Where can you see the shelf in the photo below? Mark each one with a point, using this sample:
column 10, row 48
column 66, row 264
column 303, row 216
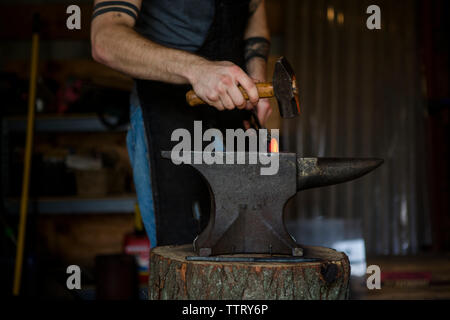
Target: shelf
column 63, row 205
column 76, row 205
column 60, row 123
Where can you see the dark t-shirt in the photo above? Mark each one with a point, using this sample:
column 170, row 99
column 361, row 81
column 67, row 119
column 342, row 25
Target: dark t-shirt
column 180, row 24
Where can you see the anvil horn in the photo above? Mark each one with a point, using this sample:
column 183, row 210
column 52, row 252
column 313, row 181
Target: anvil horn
column 319, row 172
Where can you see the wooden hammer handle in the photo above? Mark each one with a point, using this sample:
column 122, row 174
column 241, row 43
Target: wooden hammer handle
column 265, row 90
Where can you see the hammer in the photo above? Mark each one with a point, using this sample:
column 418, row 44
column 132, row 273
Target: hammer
column 283, row 87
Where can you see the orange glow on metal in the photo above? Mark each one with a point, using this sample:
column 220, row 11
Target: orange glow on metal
column 274, row 145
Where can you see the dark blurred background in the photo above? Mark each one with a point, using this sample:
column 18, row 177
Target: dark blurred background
column 364, row 93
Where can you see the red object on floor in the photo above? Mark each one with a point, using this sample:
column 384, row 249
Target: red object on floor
column 405, row 276
column 406, row 279
column 139, row 246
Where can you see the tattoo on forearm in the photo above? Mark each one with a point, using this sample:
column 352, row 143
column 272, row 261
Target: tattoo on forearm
column 254, row 4
column 256, row 47
column 115, row 6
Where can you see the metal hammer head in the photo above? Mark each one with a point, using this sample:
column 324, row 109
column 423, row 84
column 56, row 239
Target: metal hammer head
column 285, row 89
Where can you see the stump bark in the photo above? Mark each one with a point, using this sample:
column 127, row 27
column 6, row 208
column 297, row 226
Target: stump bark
column 172, row 277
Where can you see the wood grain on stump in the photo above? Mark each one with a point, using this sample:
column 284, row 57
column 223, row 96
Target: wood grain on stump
column 172, row 277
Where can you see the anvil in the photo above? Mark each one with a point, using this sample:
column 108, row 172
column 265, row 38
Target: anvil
column 247, row 207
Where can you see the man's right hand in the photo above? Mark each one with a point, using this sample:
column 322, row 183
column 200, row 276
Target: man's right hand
column 216, row 83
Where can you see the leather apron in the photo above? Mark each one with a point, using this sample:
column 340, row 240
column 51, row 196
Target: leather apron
column 164, row 108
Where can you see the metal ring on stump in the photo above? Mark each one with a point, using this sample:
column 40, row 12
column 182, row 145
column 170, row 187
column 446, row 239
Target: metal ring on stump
column 172, row 277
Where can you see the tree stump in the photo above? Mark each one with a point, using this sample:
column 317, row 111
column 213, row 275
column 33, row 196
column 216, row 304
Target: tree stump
column 172, row 277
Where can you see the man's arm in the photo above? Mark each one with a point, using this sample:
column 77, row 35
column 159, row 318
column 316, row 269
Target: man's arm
column 116, row 44
column 257, row 51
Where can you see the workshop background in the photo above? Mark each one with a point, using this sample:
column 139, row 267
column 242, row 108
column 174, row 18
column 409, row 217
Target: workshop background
column 363, row 93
